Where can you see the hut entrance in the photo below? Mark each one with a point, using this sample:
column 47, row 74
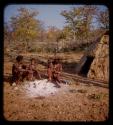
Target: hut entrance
column 85, row 68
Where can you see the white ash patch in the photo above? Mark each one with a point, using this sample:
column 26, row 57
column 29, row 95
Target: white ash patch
column 42, row 88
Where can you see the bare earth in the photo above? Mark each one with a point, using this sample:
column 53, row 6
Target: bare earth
column 67, row 105
column 76, row 103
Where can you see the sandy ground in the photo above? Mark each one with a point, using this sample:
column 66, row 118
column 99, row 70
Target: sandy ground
column 78, row 102
column 72, row 104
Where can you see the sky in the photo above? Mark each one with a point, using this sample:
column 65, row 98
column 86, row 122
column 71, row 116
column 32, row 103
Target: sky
column 49, row 14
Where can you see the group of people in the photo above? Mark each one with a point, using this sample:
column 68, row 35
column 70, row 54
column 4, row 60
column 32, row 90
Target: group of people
column 21, row 71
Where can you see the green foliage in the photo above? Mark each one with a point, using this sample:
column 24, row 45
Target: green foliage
column 25, row 27
column 28, row 33
column 79, row 21
column 103, row 18
column 65, row 49
column 35, row 50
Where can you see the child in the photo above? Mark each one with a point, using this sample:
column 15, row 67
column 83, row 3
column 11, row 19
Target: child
column 49, row 69
column 32, row 71
column 17, row 70
column 57, row 69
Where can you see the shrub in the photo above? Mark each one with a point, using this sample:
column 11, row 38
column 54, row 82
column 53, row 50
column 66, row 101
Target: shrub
column 35, row 50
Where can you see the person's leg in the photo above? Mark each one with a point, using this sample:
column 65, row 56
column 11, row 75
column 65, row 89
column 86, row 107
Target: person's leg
column 24, row 75
column 58, row 78
column 17, row 81
column 30, row 76
column 49, row 75
column 55, row 81
column 36, row 75
column 14, row 79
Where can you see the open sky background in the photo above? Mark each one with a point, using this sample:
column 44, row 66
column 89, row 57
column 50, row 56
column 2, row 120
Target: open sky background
column 49, row 14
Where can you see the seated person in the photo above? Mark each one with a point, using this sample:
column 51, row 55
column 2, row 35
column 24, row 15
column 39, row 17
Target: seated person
column 57, row 69
column 18, row 70
column 32, row 72
column 49, row 69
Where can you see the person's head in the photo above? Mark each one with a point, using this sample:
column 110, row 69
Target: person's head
column 19, row 59
column 33, row 61
column 56, row 60
column 50, row 61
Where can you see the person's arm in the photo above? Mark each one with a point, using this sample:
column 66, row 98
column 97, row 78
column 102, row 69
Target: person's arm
column 49, row 74
column 29, row 69
column 36, row 69
column 14, row 69
column 39, row 75
column 54, row 69
column 21, row 69
column 60, row 67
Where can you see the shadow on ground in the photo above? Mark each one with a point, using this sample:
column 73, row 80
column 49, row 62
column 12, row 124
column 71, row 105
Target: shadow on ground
column 69, row 67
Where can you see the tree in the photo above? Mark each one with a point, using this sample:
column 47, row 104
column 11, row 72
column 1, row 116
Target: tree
column 103, row 19
column 79, row 20
column 25, row 26
column 60, row 36
column 7, row 36
column 52, row 33
column 6, row 31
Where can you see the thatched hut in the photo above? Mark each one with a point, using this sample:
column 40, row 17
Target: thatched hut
column 95, row 62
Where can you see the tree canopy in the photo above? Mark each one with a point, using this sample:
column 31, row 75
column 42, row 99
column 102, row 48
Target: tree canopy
column 79, row 29
column 25, row 26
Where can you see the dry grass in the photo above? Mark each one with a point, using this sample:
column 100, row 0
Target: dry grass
column 74, row 104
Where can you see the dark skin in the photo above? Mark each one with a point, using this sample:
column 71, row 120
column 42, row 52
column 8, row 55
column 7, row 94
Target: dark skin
column 32, row 72
column 17, row 71
column 57, row 69
column 49, row 70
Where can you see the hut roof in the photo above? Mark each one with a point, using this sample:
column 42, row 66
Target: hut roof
column 90, row 52
column 92, row 48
